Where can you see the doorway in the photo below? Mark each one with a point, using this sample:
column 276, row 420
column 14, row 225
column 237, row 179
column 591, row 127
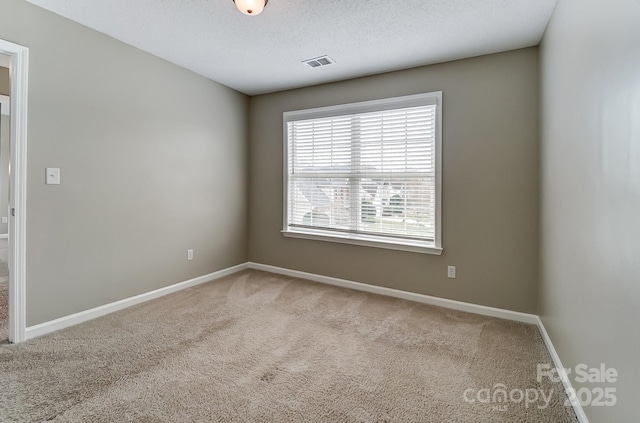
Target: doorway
column 5, row 122
column 17, row 58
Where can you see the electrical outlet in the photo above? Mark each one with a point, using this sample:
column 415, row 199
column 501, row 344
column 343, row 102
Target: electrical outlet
column 189, row 254
column 451, row 272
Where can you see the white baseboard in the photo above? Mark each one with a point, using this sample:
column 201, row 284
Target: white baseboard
column 577, row 407
column 411, row 296
column 74, row 319
column 83, row 316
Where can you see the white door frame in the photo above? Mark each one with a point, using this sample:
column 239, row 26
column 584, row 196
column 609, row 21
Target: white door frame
column 19, row 72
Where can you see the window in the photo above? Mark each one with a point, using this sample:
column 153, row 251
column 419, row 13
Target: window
column 366, row 173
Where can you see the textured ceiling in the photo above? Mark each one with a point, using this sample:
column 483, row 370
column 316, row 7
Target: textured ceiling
column 263, row 53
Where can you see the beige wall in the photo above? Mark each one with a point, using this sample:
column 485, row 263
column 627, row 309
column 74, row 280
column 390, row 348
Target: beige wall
column 490, row 196
column 5, row 88
column 152, row 158
column 590, row 273
column 5, row 125
column 5, row 122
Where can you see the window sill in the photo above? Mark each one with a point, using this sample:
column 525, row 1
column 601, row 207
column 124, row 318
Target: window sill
column 415, row 247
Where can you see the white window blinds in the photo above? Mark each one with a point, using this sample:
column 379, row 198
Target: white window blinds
column 370, row 174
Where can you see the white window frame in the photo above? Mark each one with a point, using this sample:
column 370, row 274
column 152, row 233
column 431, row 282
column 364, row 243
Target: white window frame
column 427, row 247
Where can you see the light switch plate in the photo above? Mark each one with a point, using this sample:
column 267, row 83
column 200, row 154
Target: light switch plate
column 5, row 219
column 53, row 176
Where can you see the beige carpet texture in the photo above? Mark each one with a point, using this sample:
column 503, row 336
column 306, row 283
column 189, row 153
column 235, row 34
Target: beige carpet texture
column 4, row 291
column 4, row 312
column 259, row 347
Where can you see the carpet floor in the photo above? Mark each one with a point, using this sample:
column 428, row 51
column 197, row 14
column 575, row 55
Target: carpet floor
column 258, row 347
column 4, row 290
column 4, row 311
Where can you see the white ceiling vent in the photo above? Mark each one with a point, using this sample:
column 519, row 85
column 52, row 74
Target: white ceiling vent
column 319, row 61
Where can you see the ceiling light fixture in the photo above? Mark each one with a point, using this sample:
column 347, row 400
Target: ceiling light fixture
column 250, row 7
